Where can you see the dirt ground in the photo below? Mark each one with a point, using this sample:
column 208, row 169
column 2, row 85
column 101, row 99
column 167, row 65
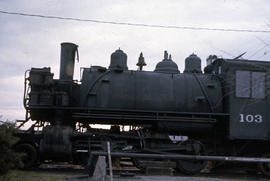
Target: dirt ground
column 71, row 175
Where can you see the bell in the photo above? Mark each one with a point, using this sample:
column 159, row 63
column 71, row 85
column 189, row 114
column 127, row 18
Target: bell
column 141, row 61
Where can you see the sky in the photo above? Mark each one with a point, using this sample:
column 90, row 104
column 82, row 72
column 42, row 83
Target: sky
column 27, row 42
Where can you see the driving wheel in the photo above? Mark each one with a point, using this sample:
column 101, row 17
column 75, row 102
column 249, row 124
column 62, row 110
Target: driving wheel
column 191, row 167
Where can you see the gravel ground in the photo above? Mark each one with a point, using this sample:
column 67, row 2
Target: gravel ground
column 203, row 177
column 182, row 178
column 78, row 174
column 168, row 178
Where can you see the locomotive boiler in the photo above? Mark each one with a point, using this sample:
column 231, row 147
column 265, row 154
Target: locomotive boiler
column 221, row 111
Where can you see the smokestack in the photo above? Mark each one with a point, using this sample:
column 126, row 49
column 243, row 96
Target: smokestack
column 68, row 51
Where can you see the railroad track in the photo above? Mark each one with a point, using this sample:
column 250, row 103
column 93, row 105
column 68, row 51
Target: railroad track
column 126, row 173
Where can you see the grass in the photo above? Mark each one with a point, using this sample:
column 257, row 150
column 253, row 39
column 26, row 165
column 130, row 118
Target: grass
column 18, row 175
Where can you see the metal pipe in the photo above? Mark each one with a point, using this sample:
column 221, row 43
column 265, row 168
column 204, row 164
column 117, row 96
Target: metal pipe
column 186, row 157
column 110, row 160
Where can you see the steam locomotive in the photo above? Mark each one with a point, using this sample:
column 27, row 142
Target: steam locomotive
column 221, row 112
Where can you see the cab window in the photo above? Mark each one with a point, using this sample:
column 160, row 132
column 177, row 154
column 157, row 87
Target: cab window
column 258, row 85
column 250, row 84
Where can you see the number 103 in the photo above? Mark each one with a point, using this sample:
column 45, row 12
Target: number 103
column 249, row 118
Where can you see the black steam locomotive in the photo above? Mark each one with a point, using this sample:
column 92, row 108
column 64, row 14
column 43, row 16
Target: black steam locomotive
column 221, row 112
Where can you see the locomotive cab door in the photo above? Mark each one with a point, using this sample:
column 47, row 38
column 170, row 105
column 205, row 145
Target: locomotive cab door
column 248, row 103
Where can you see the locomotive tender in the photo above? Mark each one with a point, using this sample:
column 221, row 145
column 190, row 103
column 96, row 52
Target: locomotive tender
column 223, row 111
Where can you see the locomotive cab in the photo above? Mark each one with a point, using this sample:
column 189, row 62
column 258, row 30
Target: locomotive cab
column 245, row 97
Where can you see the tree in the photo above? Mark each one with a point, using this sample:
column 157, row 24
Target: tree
column 9, row 159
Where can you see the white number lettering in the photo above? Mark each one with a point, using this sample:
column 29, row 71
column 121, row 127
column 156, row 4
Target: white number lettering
column 258, row 118
column 251, row 118
column 242, row 118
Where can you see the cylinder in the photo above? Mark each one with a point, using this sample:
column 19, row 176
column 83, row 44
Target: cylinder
column 67, row 59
